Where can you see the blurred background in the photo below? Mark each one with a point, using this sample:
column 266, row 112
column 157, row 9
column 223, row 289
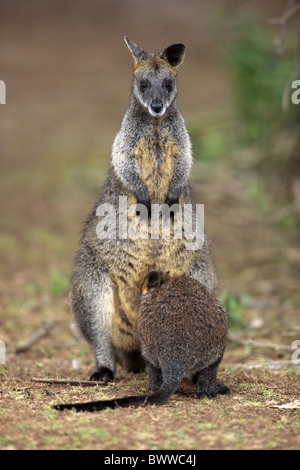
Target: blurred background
column 68, row 74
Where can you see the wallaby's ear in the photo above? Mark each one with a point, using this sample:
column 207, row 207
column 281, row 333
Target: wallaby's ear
column 138, row 54
column 174, row 54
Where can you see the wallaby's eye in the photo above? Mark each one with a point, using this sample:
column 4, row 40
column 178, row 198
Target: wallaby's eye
column 143, row 85
column 169, row 85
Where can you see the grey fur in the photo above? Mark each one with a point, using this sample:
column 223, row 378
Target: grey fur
column 150, row 163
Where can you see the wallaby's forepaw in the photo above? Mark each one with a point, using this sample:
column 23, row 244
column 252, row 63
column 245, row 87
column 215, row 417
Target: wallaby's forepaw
column 147, row 204
column 170, row 201
column 104, row 375
column 173, row 201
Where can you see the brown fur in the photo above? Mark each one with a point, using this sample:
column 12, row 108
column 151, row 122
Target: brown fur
column 182, row 331
column 181, row 319
column 155, row 155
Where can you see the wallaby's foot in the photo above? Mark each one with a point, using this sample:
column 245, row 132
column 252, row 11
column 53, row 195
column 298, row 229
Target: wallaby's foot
column 222, row 389
column 211, row 392
column 206, row 383
column 104, row 375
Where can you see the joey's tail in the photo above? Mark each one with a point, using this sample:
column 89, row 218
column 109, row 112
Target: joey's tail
column 157, row 398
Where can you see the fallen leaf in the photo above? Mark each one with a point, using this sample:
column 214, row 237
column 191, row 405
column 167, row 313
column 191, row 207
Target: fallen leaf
column 288, row 406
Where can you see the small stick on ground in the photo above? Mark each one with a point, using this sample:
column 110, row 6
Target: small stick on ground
column 83, row 383
column 275, row 365
column 34, row 338
column 271, row 365
column 258, row 344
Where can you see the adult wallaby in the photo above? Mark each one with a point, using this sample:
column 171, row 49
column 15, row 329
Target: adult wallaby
column 150, row 164
column 182, row 331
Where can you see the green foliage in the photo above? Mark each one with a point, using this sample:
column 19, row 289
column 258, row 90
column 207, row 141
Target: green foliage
column 259, row 77
column 58, row 283
column 208, row 145
column 259, row 195
column 234, row 311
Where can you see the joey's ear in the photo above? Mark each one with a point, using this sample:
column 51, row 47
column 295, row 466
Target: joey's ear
column 138, row 54
column 174, row 54
column 153, row 279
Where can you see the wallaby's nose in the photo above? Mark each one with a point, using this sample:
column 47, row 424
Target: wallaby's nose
column 157, row 106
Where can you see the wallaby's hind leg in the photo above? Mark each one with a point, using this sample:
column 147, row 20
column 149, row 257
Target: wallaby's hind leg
column 92, row 303
column 206, row 382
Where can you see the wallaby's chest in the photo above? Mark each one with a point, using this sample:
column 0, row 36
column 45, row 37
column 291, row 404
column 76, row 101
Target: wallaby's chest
column 155, row 154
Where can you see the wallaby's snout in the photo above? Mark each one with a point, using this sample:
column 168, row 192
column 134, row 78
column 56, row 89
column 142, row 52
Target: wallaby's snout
column 155, row 86
column 157, row 106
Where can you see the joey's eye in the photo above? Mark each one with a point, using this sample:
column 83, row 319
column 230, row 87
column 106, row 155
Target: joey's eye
column 143, row 85
column 169, row 85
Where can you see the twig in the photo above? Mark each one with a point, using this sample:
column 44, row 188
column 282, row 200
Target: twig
column 258, row 344
column 271, row 365
column 268, row 365
column 287, row 15
column 34, row 338
column 83, row 383
column 285, row 212
column 292, row 9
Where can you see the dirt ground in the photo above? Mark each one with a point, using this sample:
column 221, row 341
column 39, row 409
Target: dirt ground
column 67, row 74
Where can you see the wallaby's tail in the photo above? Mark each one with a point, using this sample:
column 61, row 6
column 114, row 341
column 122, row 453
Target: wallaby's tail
column 157, row 398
